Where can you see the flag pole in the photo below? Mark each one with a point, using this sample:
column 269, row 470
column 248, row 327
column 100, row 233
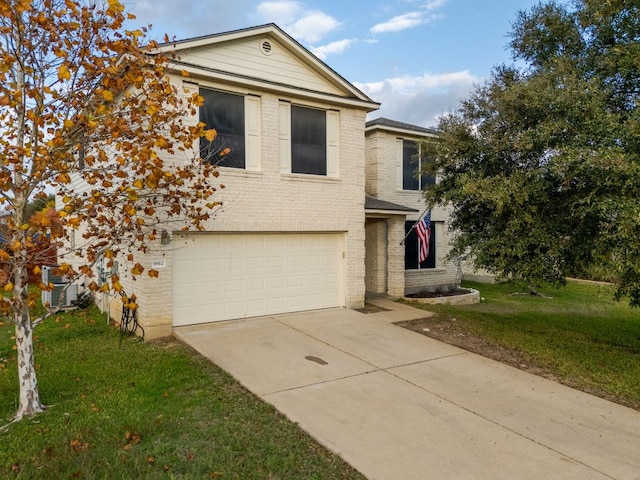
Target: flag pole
column 414, row 225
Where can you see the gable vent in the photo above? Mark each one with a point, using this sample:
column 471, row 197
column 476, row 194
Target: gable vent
column 266, row 47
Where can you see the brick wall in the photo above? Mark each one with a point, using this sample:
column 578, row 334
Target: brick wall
column 376, row 246
column 382, row 182
column 395, row 257
column 270, row 201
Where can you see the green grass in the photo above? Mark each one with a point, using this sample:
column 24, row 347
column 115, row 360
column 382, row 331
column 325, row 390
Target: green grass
column 145, row 410
column 580, row 335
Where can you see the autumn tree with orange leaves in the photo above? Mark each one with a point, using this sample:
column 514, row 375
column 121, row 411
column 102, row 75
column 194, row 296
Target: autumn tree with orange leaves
column 84, row 102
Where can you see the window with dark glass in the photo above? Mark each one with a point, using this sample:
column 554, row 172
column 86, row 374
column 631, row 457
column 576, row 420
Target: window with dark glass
column 308, row 140
column 225, row 113
column 412, row 249
column 412, row 163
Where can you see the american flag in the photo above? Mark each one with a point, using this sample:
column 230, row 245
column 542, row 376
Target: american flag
column 423, row 229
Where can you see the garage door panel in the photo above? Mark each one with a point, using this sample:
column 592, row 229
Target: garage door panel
column 295, row 303
column 276, row 241
column 232, row 310
column 256, row 284
column 234, row 286
column 237, row 265
column 315, row 299
column 227, row 276
column 295, row 241
column 276, row 304
column 295, row 263
column 276, row 283
column 255, row 242
column 192, row 265
column 209, row 264
column 295, row 281
column 315, row 260
column 255, row 305
column 275, row 262
column 257, row 263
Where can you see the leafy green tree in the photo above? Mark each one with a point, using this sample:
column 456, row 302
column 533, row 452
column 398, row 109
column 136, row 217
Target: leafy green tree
column 541, row 163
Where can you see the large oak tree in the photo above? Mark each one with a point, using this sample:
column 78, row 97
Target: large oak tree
column 542, row 162
column 87, row 110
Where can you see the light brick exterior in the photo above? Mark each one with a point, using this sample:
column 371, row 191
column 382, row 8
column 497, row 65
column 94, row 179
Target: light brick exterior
column 270, row 200
column 382, row 181
column 376, row 255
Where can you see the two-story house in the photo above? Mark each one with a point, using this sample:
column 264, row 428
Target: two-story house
column 295, row 224
column 290, row 233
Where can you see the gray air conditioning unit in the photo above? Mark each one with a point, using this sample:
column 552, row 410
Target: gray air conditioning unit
column 59, row 297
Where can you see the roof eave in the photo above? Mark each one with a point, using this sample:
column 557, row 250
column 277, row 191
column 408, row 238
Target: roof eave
column 375, row 211
column 401, row 131
column 293, row 45
column 196, row 72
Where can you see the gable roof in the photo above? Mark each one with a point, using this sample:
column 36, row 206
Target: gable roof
column 398, row 127
column 189, row 57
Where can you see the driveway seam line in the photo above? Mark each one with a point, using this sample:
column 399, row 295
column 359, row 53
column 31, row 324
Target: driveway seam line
column 376, row 369
column 462, row 352
column 327, row 343
column 322, row 382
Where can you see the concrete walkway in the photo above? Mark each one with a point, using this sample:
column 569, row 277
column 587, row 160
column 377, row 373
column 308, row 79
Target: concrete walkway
column 399, row 405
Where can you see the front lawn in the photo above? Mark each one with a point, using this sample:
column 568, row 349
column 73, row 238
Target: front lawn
column 145, row 410
column 580, row 336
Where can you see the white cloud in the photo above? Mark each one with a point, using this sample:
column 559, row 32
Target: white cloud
column 401, row 22
column 335, row 47
column 312, row 27
column 303, row 24
column 419, row 100
column 280, row 12
column 435, row 4
column 410, row 19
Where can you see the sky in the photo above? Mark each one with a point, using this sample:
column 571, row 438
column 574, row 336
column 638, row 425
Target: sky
column 418, row 58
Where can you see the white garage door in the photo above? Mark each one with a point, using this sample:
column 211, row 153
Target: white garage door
column 226, row 276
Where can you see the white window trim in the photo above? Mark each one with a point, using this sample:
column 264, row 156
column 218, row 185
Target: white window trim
column 253, row 159
column 284, row 136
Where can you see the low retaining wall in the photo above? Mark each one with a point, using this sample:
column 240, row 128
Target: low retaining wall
column 470, row 298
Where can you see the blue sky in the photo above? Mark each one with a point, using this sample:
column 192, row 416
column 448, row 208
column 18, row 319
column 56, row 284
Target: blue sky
column 417, row 57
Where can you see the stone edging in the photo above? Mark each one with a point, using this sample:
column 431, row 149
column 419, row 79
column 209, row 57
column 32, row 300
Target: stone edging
column 470, row 298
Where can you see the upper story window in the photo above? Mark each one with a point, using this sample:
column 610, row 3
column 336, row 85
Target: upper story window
column 224, row 112
column 236, row 119
column 308, row 140
column 412, row 163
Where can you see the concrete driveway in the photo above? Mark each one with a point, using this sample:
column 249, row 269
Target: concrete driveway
column 398, row 405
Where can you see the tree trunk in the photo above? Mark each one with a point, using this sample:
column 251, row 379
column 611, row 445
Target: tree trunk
column 29, row 396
